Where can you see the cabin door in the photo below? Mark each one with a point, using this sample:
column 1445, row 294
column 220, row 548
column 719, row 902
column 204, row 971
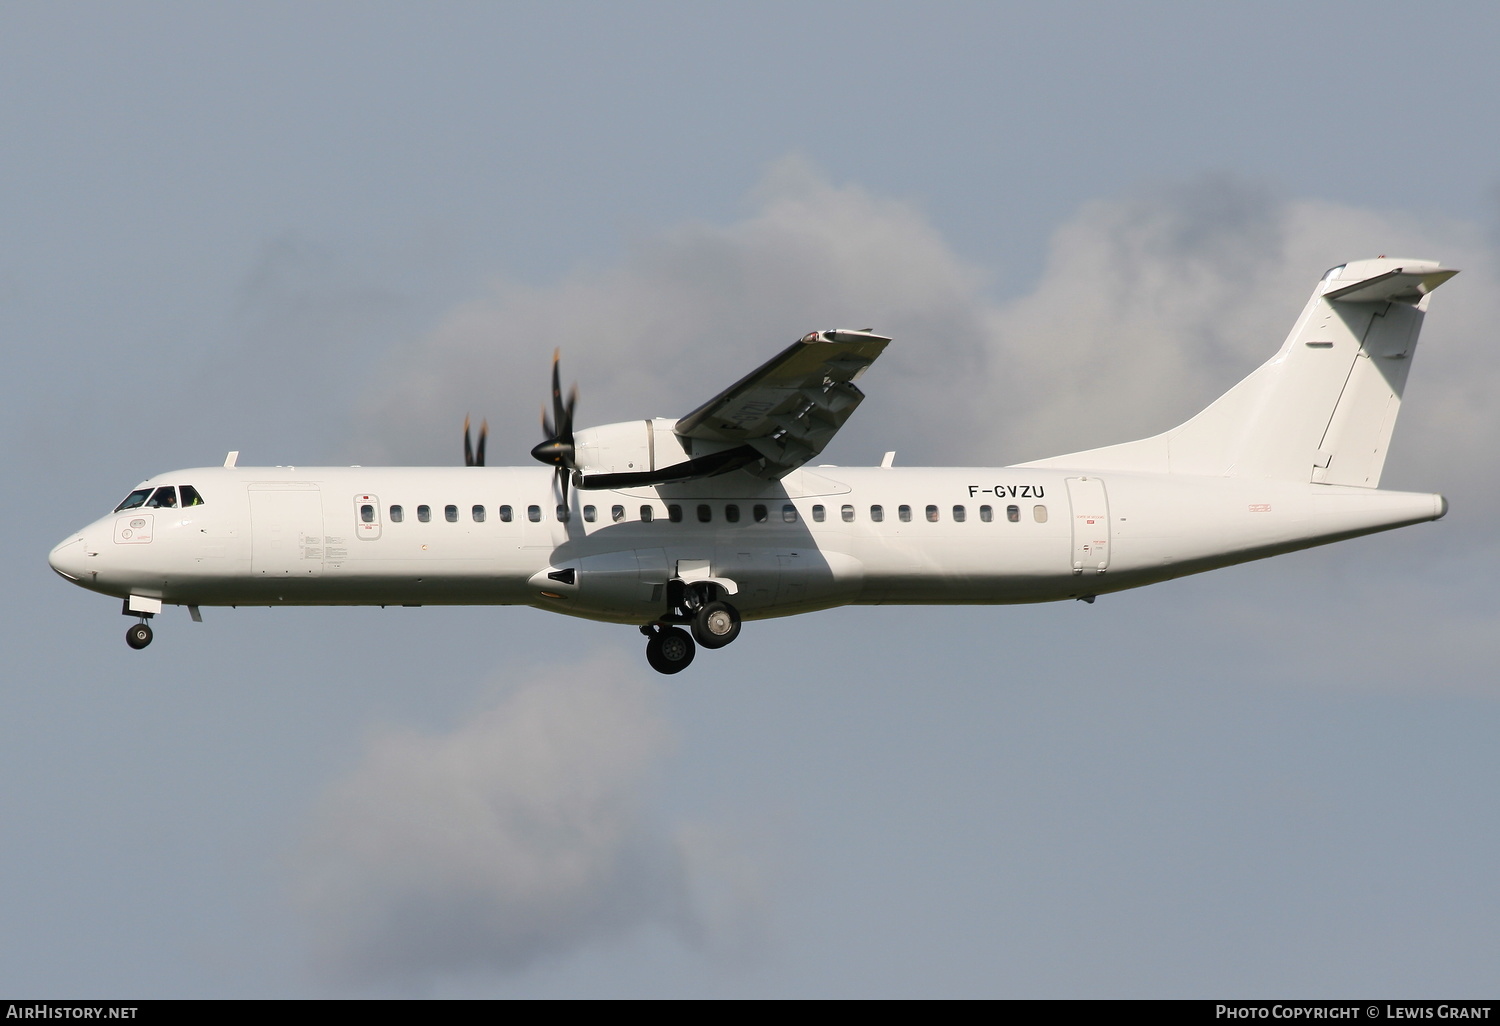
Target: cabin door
column 1090, row 524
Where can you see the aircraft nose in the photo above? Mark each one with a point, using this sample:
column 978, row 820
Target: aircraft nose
column 68, row 558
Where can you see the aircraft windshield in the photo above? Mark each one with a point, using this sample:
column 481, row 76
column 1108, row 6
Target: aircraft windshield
column 164, row 497
column 134, row 499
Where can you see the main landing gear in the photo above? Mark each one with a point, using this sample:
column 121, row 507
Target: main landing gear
column 714, row 623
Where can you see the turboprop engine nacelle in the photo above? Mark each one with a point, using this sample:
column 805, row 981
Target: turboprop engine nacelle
column 630, row 447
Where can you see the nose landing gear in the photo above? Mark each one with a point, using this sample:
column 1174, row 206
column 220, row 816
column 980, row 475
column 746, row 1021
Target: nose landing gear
column 138, row 635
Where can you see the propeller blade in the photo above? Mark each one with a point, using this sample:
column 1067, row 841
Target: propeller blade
column 484, row 434
column 556, row 449
column 566, row 432
column 468, row 452
column 560, row 416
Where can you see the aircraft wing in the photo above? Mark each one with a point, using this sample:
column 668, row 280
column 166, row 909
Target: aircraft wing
column 786, row 411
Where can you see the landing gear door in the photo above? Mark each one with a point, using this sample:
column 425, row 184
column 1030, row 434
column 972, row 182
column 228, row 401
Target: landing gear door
column 1090, row 524
column 654, row 572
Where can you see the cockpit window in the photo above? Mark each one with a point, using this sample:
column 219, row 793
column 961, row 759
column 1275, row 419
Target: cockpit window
column 164, row 497
column 190, row 496
column 134, row 499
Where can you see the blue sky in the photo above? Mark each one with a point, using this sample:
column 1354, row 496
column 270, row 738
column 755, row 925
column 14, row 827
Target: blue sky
column 325, row 232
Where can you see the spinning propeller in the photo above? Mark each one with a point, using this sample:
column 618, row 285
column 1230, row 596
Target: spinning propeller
column 474, row 456
column 557, row 450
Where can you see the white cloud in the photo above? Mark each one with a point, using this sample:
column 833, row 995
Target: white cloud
column 689, row 311
column 524, row 833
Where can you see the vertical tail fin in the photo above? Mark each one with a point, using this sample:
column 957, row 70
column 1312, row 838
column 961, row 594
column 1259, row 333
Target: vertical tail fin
column 1321, row 409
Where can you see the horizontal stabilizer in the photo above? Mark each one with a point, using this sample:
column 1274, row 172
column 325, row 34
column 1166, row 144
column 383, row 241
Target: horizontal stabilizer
column 1400, row 285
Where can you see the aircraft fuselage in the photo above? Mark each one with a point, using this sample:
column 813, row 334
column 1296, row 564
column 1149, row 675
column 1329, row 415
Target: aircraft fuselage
column 821, row 537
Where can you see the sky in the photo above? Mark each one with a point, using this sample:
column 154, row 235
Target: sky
column 323, row 233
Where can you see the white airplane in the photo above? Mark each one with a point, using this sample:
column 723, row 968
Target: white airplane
column 714, row 518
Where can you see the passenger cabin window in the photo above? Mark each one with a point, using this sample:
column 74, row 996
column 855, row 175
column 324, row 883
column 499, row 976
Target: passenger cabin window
column 789, row 513
column 705, row 513
column 847, row 513
column 877, row 513
column 477, row 512
column 164, row 497
column 397, row 514
column 960, row 514
column 367, row 513
column 590, row 514
column 190, row 496
column 761, row 514
column 505, row 514
column 617, row 513
column 986, row 513
column 904, row 513
column 424, row 513
column 674, row 514
column 732, row 513
column 134, row 499
column 932, row 514
column 647, row 514
column 1040, row 513
column 563, row 514
column 818, row 513
column 450, row 514
column 1013, row 514
column 534, row 514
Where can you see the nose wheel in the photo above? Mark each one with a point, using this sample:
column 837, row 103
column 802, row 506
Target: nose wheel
column 138, row 635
